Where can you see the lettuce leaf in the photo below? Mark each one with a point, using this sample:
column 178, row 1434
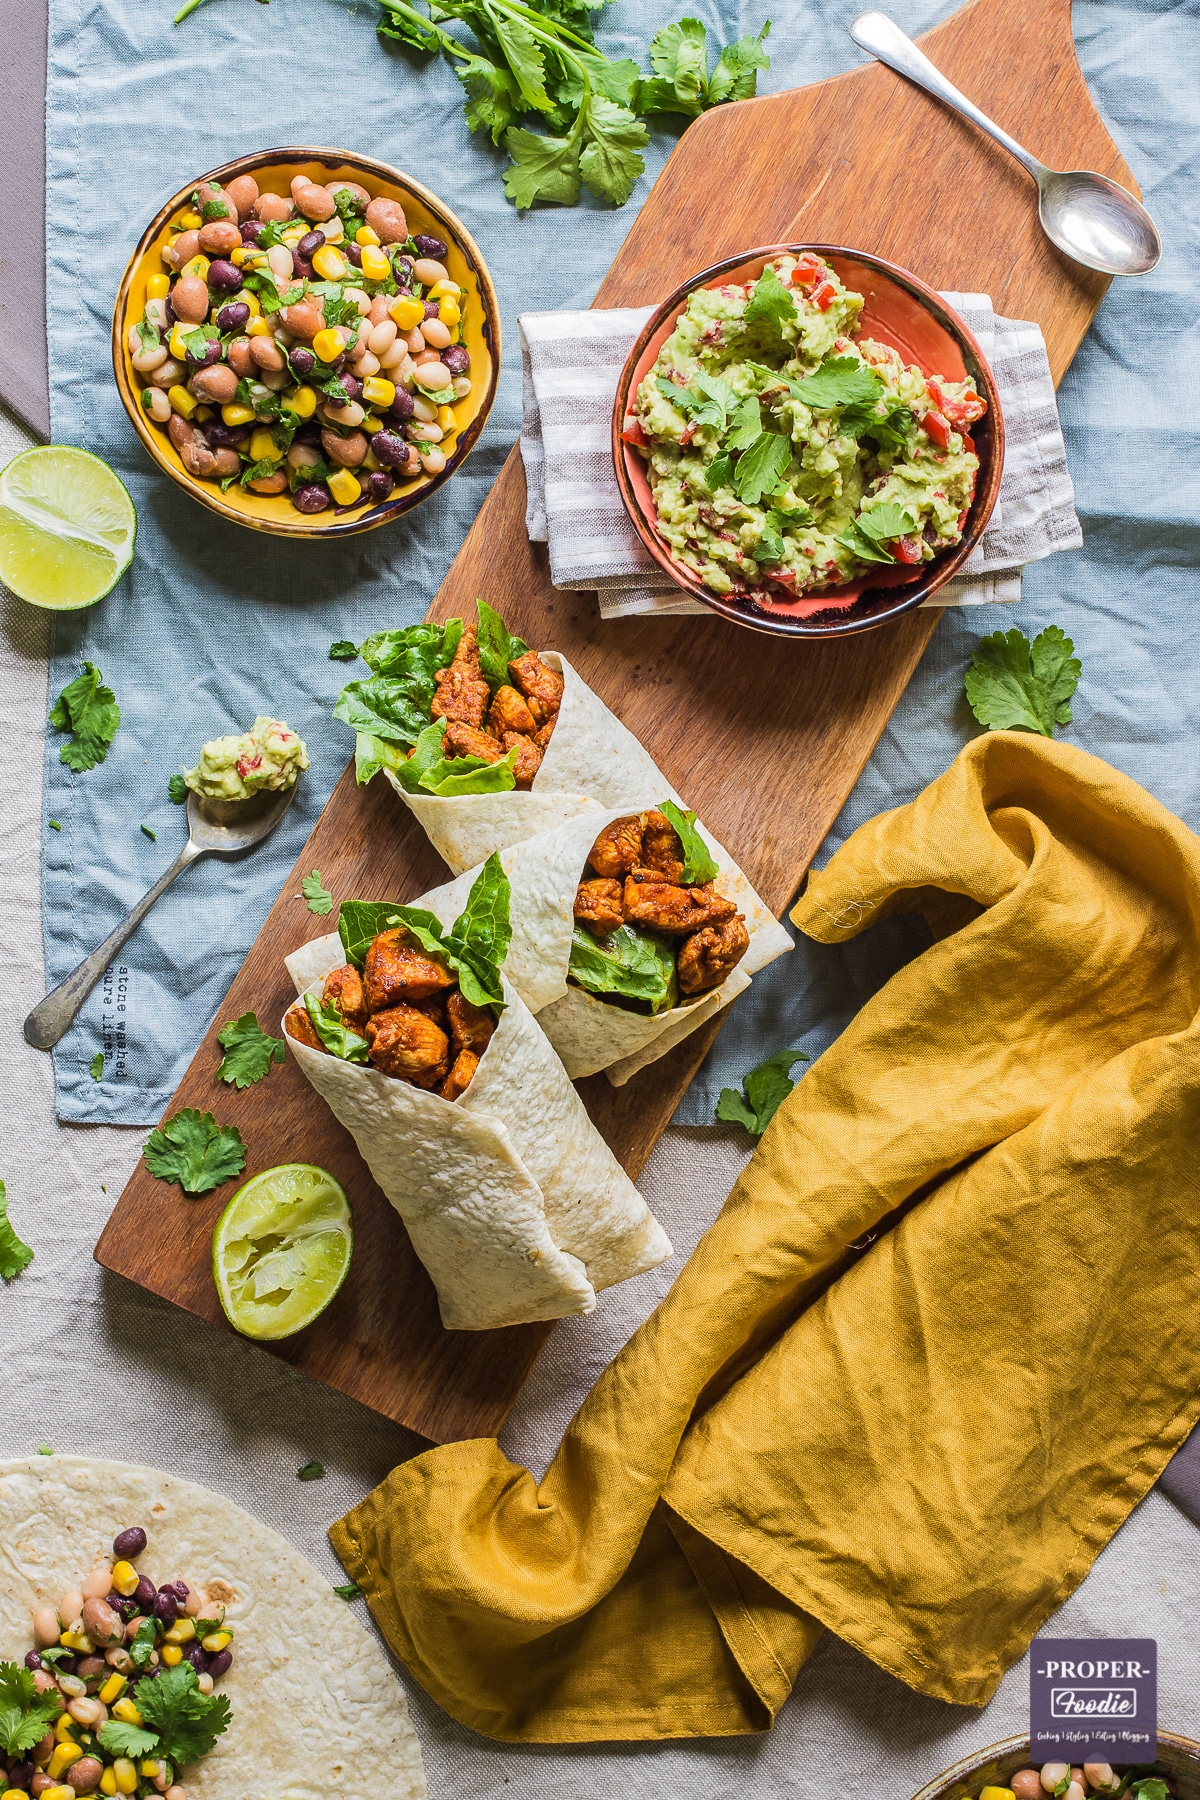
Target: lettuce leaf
column 635, row 965
column 473, row 949
column 334, row 1033
column 393, row 703
column 427, row 771
column 698, row 863
column 497, row 647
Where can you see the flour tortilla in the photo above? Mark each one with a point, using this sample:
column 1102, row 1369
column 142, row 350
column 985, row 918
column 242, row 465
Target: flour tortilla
column 315, row 1706
column 513, row 1201
column 592, row 761
column 589, row 1033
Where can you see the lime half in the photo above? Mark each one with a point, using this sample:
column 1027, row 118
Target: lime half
column 67, row 527
column 281, row 1250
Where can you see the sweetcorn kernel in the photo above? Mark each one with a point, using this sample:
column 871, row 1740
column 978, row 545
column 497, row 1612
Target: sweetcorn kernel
column 329, row 263
column 375, row 265
column 185, row 405
column 259, row 328
column 303, row 402
column 112, row 1690
column 199, row 265
column 64, row 1755
column 126, row 1774
column 125, row 1709
column 172, row 1655
column 237, row 258
column 448, row 312
column 328, row 344
column 263, row 448
column 345, row 490
column 158, row 287
column 378, row 391
column 234, row 413
column 407, row 312
column 364, row 235
column 446, row 418
column 108, row 1781
column 64, row 1725
column 443, row 289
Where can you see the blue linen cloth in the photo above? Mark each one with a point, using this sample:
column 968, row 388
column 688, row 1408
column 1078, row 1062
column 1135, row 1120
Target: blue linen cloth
column 215, row 624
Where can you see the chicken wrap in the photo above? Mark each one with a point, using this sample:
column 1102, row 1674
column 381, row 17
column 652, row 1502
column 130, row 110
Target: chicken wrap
column 487, row 741
column 628, row 931
column 463, row 1112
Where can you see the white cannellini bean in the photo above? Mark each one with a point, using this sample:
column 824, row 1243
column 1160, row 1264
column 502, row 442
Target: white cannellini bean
column 432, row 460
column 145, row 361
column 366, row 365
column 279, row 261
column 98, row 1585
column 393, row 357
column 156, row 406
column 360, row 298
column 423, row 410
column 382, row 336
column 351, row 414
column 333, row 229
column 156, row 312
column 428, row 271
column 462, row 386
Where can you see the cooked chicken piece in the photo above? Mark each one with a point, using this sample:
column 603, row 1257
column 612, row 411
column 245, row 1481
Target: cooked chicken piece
column 542, row 738
column 660, row 906
column 396, row 969
column 529, row 758
column 661, row 848
column 434, row 1008
column 510, row 713
column 462, row 692
column 407, row 1044
column 469, row 740
column 471, row 1027
column 706, row 958
column 598, row 906
column 298, row 1025
column 459, row 1079
column 344, row 992
column 618, row 849
column 541, row 686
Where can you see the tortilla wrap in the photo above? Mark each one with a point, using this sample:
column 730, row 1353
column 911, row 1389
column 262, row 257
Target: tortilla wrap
column 513, row 1201
column 588, row 1033
column 591, row 761
column 316, row 1708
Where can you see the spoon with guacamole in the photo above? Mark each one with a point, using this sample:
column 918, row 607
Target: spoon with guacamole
column 239, row 791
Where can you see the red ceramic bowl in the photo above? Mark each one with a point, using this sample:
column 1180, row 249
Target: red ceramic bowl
column 901, row 311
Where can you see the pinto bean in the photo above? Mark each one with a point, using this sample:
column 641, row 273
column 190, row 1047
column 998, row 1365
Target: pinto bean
column 243, row 192
column 268, row 484
column 350, row 187
column 167, row 375
column 241, row 361
column 346, row 452
column 266, row 353
column 219, row 237
column 189, row 297
column 316, row 203
column 272, row 207
column 185, row 246
column 204, row 463
column 303, row 320
column 378, row 310
column 101, row 1623
column 386, row 217
column 218, row 383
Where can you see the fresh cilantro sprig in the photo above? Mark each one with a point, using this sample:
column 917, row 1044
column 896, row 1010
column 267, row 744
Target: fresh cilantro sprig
column 764, row 1090
column 178, row 1721
column 318, row 896
column 343, row 651
column 249, row 1051
column 193, row 1150
column 89, row 711
column 874, row 527
column 96, row 1066
column 1013, row 685
column 349, row 1590
column 14, row 1256
column 25, row 1715
column 177, row 790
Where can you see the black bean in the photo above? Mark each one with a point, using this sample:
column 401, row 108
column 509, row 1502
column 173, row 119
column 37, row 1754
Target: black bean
column 354, row 253
column 129, row 1544
column 145, row 1594
column 233, row 316
column 431, row 309
column 166, row 1606
column 195, row 1652
column 313, row 497
column 380, row 484
column 124, row 1607
column 224, row 275
column 21, row 1775
column 223, row 1659
column 302, row 360
column 390, row 448
column 403, row 406
column 302, row 269
column 309, row 244
column 32, row 1661
column 252, row 230
column 170, row 306
column 211, row 353
column 223, row 437
column 352, row 385
column 455, row 358
column 431, row 246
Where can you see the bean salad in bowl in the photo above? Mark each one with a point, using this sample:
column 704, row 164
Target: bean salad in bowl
column 311, row 353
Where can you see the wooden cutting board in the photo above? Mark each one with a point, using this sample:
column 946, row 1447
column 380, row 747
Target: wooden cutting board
column 766, row 739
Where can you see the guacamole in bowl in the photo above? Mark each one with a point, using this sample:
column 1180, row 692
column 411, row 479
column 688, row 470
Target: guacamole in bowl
column 791, row 457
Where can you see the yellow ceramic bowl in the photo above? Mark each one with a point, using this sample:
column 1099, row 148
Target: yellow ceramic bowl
column 274, row 170
column 1178, row 1756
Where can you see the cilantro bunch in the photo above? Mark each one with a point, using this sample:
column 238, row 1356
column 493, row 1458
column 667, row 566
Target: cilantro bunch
column 25, row 1715
column 178, row 1721
column 764, row 1090
column 538, row 61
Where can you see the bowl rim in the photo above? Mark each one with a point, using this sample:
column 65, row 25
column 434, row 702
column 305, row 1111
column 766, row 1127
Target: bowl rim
column 309, row 526
column 977, row 1760
column 942, row 570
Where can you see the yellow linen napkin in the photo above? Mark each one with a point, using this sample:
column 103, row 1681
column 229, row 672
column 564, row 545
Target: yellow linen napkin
column 922, row 1447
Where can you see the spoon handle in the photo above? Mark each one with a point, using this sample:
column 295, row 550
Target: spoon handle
column 875, row 32
column 52, row 1016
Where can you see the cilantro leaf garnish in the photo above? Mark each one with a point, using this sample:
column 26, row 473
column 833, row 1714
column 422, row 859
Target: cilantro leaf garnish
column 318, row 896
column 349, row 1590
column 682, row 83
column 736, row 74
column 698, row 862
column 14, row 1256
column 840, row 381
column 709, row 401
column 770, row 301
column 177, row 790
column 610, row 163
column 185, row 1723
column 144, row 1642
column 764, row 1090
column 88, row 710
column 1015, row 685
column 249, row 1051
column 193, row 1150
column 123, row 1739
column 343, row 651
column 746, row 424
column 759, row 470
column 335, row 1035
column 96, row 1066
column 259, row 471
column 886, row 520
column 312, row 1471
column 25, row 1715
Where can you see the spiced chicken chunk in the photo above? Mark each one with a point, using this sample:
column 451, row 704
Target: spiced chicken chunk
column 462, row 691
column 659, row 906
column 298, row 1025
column 407, row 1043
column 471, row 740
column 709, row 955
column 598, row 906
column 471, row 1026
column 396, row 969
column 618, row 849
column 510, row 712
column 344, row 992
column 541, row 685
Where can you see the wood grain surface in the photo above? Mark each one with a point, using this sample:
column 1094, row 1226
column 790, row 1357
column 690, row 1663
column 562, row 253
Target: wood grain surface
column 765, row 738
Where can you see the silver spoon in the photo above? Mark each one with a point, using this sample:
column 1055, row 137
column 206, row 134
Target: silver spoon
column 1090, row 218
column 215, row 828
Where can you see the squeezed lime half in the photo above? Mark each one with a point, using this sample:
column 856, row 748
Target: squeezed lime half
column 281, row 1250
column 67, row 527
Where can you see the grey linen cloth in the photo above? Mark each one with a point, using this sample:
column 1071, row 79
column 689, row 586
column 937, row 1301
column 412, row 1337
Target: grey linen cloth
column 570, row 363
